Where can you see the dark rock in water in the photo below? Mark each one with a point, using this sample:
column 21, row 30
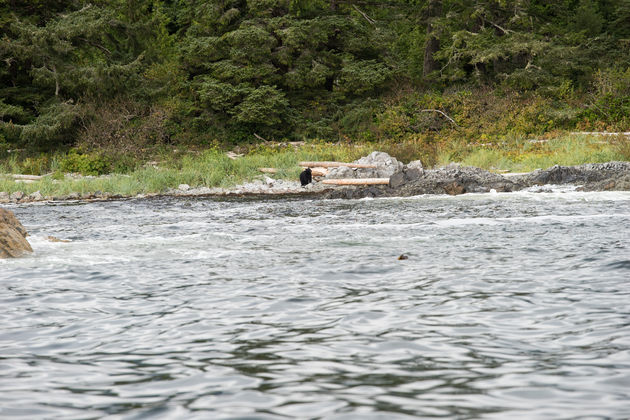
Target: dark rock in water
column 55, row 239
column 403, row 257
column 12, row 236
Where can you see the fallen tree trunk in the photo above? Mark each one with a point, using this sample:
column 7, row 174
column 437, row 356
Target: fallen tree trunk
column 335, row 165
column 600, row 133
column 268, row 170
column 357, row 181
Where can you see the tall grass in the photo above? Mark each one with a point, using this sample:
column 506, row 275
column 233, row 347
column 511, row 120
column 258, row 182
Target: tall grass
column 518, row 155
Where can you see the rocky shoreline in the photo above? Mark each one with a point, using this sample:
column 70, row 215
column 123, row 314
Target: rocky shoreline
column 454, row 180
column 404, row 180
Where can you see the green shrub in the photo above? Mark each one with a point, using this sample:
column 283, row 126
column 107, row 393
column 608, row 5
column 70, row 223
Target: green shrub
column 85, row 163
column 35, row 165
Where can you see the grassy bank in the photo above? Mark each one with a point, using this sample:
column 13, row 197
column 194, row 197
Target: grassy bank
column 212, row 167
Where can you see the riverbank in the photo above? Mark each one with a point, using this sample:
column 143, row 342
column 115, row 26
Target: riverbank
column 238, row 172
column 406, row 181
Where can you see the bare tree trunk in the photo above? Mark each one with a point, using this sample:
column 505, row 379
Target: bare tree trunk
column 433, row 41
column 54, row 69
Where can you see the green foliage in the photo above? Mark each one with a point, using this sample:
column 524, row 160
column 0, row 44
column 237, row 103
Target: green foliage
column 265, row 105
column 611, row 100
column 85, row 163
column 130, row 75
column 362, row 76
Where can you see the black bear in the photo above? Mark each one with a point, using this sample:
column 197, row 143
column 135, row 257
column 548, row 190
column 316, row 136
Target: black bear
column 306, row 177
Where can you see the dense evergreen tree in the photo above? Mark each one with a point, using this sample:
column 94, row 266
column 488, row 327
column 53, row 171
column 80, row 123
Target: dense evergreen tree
column 288, row 68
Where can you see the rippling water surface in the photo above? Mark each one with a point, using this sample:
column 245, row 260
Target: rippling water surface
column 509, row 306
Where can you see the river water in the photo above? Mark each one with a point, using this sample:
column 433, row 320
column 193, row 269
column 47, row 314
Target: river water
column 508, row 306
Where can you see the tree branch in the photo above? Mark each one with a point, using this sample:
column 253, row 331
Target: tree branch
column 443, row 113
column 505, row 31
column 94, row 44
column 370, row 20
column 54, row 70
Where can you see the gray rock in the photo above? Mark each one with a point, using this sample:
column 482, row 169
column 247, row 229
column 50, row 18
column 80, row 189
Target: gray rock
column 183, row 187
column 4, row 197
column 36, row 196
column 414, row 164
column 16, row 196
column 341, row 172
column 397, row 180
column 590, row 177
column 386, row 166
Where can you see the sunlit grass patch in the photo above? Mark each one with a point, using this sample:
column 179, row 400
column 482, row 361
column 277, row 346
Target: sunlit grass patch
column 520, row 155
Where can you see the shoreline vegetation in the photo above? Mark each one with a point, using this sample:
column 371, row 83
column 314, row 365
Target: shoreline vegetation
column 219, row 171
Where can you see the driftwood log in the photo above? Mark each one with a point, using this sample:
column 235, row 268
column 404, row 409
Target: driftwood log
column 319, row 171
column 268, row 170
column 357, row 181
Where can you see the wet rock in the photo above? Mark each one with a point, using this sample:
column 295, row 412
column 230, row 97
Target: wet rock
column 13, row 241
column 454, row 188
column 55, row 239
column 7, row 217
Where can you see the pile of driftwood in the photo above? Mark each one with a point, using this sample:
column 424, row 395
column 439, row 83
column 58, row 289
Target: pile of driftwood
column 320, row 170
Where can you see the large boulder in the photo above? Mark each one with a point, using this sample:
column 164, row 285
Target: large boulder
column 13, row 241
column 386, row 166
column 409, row 173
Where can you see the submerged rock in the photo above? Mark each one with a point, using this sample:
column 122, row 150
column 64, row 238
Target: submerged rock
column 13, row 241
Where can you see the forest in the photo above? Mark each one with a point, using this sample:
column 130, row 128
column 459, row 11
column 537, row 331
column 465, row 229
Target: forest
column 127, row 75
